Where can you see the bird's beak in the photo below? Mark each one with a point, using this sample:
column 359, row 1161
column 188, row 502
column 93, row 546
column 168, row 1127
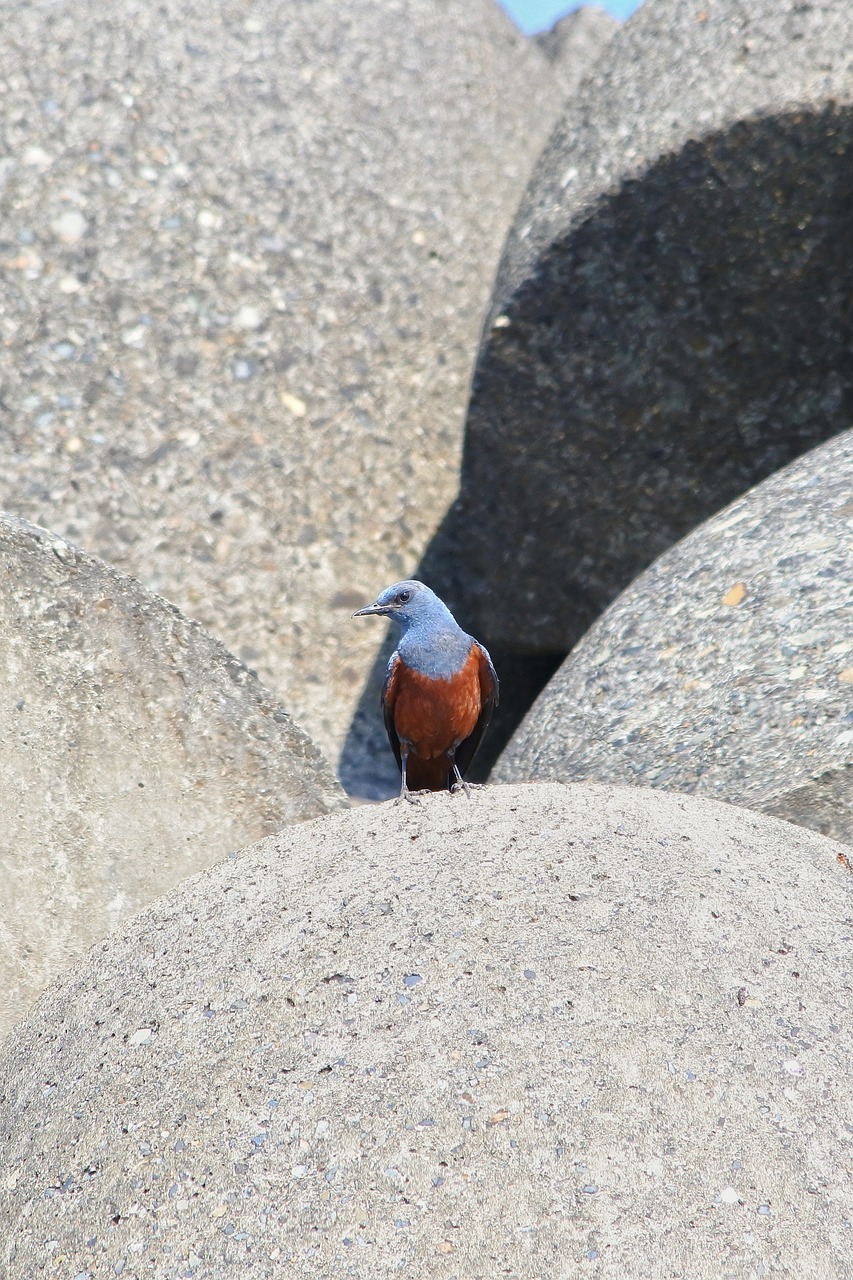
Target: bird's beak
column 371, row 608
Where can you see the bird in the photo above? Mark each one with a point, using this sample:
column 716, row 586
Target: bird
column 440, row 689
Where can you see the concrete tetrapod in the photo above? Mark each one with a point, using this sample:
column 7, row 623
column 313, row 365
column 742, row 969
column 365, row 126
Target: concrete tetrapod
column 136, row 750
column 246, row 251
column 670, row 322
column 575, row 42
column 514, row 1035
column 727, row 668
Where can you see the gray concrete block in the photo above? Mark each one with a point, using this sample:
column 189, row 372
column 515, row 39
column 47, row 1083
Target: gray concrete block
column 136, row 750
column 517, row 1035
column 574, row 44
column 670, row 322
column 247, row 251
column 727, row 668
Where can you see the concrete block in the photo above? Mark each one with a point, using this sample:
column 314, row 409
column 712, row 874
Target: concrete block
column 545, row 1028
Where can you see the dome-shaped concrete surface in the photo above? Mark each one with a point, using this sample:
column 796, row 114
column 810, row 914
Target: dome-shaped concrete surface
column 671, row 319
column 246, row 251
column 135, row 751
column 517, row 1035
column 727, row 668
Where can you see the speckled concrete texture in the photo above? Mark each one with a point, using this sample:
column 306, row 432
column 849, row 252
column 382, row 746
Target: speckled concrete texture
column 517, row 1035
column 246, row 253
column 671, row 320
column 573, row 44
column 727, row 668
column 136, row 750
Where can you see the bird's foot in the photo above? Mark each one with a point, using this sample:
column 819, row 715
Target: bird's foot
column 460, row 782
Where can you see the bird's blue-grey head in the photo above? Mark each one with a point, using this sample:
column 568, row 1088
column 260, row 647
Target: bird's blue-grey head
column 410, row 604
column 431, row 639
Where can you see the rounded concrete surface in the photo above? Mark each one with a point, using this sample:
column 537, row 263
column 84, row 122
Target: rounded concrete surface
column 135, row 751
column 725, row 669
column 246, row 252
column 670, row 322
column 547, row 1028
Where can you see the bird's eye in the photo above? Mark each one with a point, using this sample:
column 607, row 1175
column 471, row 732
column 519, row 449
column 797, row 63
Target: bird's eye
column 404, row 597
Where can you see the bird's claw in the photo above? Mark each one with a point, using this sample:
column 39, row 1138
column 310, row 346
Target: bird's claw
column 460, row 781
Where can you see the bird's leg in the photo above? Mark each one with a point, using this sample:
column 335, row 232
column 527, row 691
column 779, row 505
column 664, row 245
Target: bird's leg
column 405, row 793
column 460, row 781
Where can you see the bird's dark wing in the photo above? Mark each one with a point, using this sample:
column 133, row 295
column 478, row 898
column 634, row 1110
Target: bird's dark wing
column 389, row 697
column 489, row 696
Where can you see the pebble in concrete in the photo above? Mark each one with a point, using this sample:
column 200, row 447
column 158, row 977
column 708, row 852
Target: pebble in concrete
column 547, row 1027
column 727, row 668
column 670, row 323
column 136, row 750
column 246, row 253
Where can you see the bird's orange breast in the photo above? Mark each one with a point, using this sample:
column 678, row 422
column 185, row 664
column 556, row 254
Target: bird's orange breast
column 435, row 715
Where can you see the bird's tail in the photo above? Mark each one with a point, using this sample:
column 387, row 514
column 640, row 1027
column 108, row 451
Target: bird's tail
column 429, row 775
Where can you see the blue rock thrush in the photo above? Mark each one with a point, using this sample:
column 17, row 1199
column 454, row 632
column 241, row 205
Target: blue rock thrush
column 440, row 689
